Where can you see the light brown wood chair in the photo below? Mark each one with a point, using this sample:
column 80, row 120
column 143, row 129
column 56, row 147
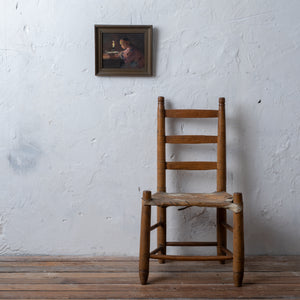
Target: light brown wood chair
column 220, row 199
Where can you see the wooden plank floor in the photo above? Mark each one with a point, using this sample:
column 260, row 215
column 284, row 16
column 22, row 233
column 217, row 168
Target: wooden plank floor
column 117, row 278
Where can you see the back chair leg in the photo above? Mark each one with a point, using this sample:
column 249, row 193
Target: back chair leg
column 161, row 231
column 238, row 241
column 221, row 232
column 145, row 239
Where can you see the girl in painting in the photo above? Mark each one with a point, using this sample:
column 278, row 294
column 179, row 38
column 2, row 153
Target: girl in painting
column 131, row 56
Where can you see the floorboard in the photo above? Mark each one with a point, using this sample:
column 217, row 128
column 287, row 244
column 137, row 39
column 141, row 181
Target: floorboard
column 62, row 277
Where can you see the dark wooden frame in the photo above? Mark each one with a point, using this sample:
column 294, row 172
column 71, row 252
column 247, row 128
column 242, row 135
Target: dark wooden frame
column 101, row 29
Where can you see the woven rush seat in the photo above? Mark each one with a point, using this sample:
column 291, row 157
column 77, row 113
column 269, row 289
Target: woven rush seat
column 217, row 199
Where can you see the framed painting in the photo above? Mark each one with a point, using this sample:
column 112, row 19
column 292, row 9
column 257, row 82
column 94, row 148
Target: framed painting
column 123, row 50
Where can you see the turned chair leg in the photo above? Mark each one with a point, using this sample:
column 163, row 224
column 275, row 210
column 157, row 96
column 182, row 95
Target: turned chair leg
column 238, row 241
column 145, row 239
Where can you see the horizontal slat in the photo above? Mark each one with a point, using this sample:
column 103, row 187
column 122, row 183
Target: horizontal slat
column 191, row 113
column 191, row 165
column 191, row 139
column 190, row 258
column 192, row 244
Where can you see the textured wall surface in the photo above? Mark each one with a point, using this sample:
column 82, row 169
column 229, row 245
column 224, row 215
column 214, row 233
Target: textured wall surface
column 76, row 150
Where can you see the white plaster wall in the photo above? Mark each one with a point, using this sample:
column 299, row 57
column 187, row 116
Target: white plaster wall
column 77, row 150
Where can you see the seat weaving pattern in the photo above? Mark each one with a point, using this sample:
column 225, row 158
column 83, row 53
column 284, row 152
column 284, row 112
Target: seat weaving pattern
column 217, row 199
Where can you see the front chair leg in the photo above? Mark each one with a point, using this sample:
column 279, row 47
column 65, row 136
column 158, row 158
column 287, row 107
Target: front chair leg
column 145, row 239
column 238, row 241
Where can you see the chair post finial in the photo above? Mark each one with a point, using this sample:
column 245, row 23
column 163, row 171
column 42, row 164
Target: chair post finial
column 161, row 99
column 221, row 100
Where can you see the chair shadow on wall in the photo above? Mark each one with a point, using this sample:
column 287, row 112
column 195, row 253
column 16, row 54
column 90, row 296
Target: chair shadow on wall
column 260, row 232
column 197, row 216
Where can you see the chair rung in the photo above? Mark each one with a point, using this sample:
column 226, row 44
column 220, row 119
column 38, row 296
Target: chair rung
column 228, row 252
column 191, row 113
column 192, row 244
column 191, row 165
column 156, row 250
column 227, row 226
column 191, row 139
column 190, row 258
column 156, row 225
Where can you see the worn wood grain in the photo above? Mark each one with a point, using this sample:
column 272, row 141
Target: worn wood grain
column 190, row 257
column 163, row 291
column 266, row 277
column 221, row 177
column 161, row 176
column 191, row 113
column 191, row 199
column 199, row 277
column 191, row 165
column 253, row 264
column 191, row 139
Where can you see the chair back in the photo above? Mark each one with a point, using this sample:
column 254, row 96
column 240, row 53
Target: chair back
column 163, row 139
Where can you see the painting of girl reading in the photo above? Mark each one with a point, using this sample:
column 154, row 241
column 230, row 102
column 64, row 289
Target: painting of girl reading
column 123, row 50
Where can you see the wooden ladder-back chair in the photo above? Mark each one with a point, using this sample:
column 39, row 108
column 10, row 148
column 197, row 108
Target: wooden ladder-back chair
column 221, row 200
